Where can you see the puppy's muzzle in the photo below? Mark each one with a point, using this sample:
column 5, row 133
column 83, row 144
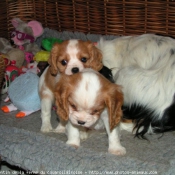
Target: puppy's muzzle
column 75, row 70
column 81, row 122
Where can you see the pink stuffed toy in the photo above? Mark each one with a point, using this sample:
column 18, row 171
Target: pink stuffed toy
column 24, row 37
column 25, row 34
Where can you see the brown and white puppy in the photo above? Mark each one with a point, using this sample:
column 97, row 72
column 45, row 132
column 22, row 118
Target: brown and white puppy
column 89, row 100
column 69, row 57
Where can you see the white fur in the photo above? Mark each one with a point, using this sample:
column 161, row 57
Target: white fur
column 115, row 147
column 144, row 67
column 85, row 97
column 72, row 50
column 88, row 94
column 46, row 103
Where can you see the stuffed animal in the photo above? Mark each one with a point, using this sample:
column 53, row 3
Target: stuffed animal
column 13, row 54
column 25, row 34
column 11, row 72
column 42, row 55
column 23, row 93
column 47, row 43
column 30, row 67
column 14, row 59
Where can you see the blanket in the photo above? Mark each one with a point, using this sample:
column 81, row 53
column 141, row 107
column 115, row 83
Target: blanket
column 23, row 145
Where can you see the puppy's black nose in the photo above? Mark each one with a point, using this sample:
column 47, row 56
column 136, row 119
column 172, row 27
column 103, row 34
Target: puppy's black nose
column 81, row 122
column 75, row 70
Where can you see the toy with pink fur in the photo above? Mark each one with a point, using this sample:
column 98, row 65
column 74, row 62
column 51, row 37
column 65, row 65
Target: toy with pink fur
column 23, row 91
column 25, row 34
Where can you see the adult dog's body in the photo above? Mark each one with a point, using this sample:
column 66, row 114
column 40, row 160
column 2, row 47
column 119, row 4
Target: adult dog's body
column 145, row 67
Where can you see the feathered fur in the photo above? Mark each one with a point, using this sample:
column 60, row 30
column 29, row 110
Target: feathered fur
column 145, row 67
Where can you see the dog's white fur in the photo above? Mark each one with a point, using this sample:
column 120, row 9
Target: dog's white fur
column 145, row 67
column 69, row 57
column 88, row 100
column 74, row 61
column 47, row 99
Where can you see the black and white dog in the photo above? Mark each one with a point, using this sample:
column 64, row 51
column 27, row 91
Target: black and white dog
column 145, row 67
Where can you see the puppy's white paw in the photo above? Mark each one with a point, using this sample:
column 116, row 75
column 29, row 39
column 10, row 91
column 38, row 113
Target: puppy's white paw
column 119, row 151
column 46, row 128
column 60, row 129
column 75, row 145
column 83, row 135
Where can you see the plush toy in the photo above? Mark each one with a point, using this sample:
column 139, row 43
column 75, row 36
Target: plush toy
column 14, row 59
column 30, row 67
column 41, row 56
column 23, row 93
column 13, row 54
column 47, row 43
column 11, row 72
column 25, row 34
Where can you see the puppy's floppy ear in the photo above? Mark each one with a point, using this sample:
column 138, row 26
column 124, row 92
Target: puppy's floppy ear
column 53, row 59
column 62, row 93
column 95, row 57
column 114, row 102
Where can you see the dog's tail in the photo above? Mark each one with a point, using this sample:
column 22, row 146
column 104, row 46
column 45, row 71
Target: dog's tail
column 127, row 125
column 146, row 121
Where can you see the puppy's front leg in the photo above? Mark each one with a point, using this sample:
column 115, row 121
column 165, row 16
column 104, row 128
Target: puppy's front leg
column 46, row 105
column 60, row 128
column 73, row 135
column 115, row 146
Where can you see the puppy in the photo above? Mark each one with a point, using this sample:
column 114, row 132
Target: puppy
column 145, row 67
column 69, row 57
column 88, row 100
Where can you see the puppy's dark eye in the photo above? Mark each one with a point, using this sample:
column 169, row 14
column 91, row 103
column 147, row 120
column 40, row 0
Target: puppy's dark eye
column 84, row 60
column 73, row 107
column 94, row 112
column 63, row 62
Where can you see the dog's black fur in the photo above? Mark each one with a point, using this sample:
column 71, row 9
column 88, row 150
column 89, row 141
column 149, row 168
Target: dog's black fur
column 144, row 117
column 106, row 72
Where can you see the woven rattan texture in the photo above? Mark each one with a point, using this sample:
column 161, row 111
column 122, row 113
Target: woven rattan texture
column 116, row 17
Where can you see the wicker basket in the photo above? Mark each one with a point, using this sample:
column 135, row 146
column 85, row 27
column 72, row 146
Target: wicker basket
column 115, row 17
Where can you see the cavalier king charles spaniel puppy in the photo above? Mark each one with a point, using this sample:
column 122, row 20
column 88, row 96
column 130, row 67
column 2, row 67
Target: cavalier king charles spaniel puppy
column 88, row 100
column 69, row 57
column 145, row 68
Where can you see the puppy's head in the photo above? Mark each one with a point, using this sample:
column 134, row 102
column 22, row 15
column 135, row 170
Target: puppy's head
column 72, row 56
column 82, row 97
